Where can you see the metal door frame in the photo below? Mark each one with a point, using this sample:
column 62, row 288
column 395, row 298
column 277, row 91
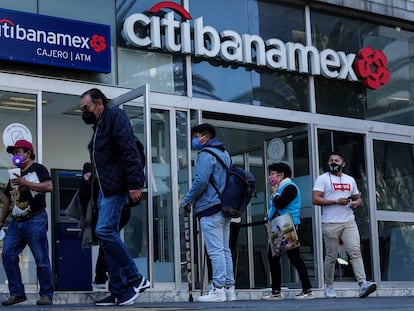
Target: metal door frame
column 375, row 214
column 143, row 91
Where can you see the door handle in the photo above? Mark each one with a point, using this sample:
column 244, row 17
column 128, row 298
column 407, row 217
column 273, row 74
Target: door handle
column 73, row 229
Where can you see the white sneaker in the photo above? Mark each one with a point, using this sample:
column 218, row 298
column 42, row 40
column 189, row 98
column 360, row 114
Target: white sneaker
column 214, row 295
column 273, row 295
column 98, row 286
column 330, row 291
column 230, row 293
column 367, row 288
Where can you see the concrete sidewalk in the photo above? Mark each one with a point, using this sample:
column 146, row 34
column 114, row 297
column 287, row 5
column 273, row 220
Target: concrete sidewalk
column 339, row 304
column 178, row 300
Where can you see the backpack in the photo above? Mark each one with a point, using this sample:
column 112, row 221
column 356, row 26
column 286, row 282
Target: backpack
column 239, row 189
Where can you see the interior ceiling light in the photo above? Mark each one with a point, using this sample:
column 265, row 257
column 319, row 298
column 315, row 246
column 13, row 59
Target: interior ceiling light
column 19, row 103
column 8, row 103
column 23, row 99
column 14, row 108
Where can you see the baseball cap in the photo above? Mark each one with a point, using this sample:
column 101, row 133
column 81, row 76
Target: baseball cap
column 22, row 143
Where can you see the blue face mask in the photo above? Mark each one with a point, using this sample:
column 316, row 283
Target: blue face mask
column 195, row 143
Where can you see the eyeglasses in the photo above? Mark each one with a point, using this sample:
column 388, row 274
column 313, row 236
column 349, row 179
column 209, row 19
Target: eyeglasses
column 86, row 107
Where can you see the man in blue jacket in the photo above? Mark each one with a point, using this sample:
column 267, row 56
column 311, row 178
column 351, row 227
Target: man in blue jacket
column 214, row 225
column 118, row 170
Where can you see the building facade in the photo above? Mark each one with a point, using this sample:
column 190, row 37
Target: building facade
column 281, row 81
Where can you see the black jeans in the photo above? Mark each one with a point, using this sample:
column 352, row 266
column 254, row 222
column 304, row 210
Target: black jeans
column 296, row 260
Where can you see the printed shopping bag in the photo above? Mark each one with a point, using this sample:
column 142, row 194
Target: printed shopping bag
column 282, row 234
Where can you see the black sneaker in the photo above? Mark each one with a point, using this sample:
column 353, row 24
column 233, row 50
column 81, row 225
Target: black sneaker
column 13, row 300
column 143, row 285
column 128, row 296
column 106, row 301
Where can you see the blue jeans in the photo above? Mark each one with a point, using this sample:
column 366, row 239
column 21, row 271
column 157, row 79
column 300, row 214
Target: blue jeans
column 122, row 270
column 31, row 232
column 216, row 233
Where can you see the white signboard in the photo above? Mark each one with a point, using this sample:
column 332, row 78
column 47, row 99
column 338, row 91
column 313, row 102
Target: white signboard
column 14, row 132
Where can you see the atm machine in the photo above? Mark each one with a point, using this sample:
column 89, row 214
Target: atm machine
column 72, row 265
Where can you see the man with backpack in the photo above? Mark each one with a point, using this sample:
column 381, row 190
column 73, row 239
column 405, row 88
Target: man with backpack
column 214, row 225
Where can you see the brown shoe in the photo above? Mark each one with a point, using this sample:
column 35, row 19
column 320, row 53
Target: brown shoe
column 43, row 301
column 13, row 300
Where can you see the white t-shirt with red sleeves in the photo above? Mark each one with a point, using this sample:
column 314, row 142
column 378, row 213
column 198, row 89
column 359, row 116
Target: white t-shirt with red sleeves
column 334, row 188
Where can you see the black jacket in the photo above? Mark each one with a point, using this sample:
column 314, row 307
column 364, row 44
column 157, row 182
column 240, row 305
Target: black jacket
column 114, row 154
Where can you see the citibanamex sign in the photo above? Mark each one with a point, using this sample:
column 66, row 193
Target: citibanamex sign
column 146, row 31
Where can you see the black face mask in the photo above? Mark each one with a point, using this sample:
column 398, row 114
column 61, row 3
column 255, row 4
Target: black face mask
column 88, row 117
column 334, row 168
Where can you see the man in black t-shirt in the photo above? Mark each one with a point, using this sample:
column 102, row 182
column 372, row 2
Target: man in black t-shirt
column 26, row 204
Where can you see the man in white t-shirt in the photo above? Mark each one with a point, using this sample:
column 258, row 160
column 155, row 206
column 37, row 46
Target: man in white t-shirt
column 337, row 193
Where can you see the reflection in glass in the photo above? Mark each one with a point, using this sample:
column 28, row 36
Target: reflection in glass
column 162, row 203
column 136, row 231
column 394, row 176
column 162, row 71
column 391, row 103
column 396, row 243
column 216, row 79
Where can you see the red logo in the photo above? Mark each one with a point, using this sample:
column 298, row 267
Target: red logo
column 98, row 43
column 171, row 5
column 341, row 187
column 371, row 67
column 7, row 21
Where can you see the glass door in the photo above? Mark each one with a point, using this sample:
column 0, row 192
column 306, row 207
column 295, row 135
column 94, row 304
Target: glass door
column 392, row 165
column 155, row 225
column 292, row 147
column 17, row 121
column 352, row 146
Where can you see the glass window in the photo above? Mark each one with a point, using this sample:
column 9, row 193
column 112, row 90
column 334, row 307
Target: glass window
column 24, row 6
column 163, row 71
column 61, row 123
column 391, row 103
column 338, row 97
column 394, row 176
column 125, row 8
column 396, row 245
column 160, row 70
column 216, row 79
